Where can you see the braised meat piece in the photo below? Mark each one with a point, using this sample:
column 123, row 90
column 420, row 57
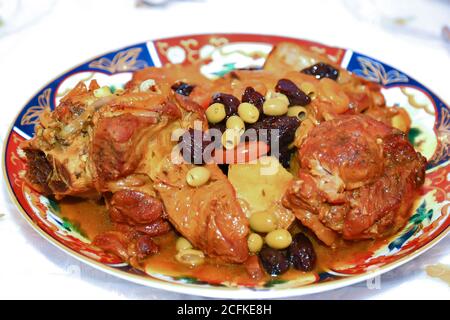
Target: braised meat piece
column 349, row 148
column 120, row 141
column 358, row 177
column 88, row 141
column 134, row 207
column 94, row 146
column 209, row 216
column 57, row 158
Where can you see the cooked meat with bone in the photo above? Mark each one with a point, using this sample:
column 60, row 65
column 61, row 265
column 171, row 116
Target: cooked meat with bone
column 58, row 155
column 208, row 216
column 357, row 178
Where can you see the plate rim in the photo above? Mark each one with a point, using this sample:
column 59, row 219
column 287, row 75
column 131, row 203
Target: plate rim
column 185, row 288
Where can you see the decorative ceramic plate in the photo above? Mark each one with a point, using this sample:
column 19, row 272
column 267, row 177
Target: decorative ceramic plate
column 429, row 134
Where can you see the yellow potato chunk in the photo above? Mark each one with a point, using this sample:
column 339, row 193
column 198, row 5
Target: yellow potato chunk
column 261, row 187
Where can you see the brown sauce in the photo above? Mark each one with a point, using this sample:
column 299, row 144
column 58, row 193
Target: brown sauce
column 91, row 218
column 327, row 258
column 215, row 272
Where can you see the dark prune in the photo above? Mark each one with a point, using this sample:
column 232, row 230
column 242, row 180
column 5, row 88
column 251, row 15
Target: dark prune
column 301, row 253
column 286, row 133
column 286, row 128
column 273, row 261
column 322, row 70
column 182, row 88
column 295, row 95
column 254, row 97
column 230, row 102
column 192, row 144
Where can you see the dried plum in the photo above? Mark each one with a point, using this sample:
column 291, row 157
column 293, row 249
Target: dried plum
column 254, row 97
column 322, row 70
column 295, row 95
column 182, row 88
column 230, row 102
column 301, row 253
column 286, row 133
column 273, row 261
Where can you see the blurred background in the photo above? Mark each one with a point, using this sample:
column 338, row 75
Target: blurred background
column 50, row 36
column 40, row 39
column 419, row 18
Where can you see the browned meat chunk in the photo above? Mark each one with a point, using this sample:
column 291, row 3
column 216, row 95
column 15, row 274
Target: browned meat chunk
column 209, row 216
column 358, row 178
column 134, row 207
column 39, row 170
column 114, row 147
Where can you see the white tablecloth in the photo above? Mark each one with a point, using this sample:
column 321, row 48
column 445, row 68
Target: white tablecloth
column 75, row 30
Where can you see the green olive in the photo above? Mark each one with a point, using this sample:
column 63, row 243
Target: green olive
column 277, row 95
column 283, row 97
column 279, row 239
column 183, row 244
column 191, row 257
column 231, row 138
column 297, row 111
column 275, row 107
column 215, row 113
column 263, row 221
column 248, row 112
column 254, row 242
column 236, row 123
column 198, row 176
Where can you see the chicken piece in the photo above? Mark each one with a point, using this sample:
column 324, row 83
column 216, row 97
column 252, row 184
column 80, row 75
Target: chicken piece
column 358, row 178
column 94, row 147
column 57, row 157
column 120, row 140
column 88, row 141
column 209, row 216
column 349, row 148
